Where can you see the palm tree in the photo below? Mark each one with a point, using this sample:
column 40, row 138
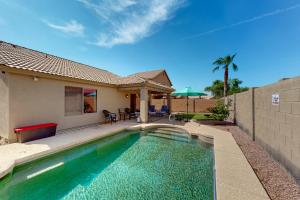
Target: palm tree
column 225, row 63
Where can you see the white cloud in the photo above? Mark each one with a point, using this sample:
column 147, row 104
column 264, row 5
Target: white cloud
column 128, row 21
column 247, row 21
column 72, row 27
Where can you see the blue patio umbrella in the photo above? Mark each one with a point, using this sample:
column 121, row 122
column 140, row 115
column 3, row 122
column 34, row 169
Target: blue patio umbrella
column 188, row 92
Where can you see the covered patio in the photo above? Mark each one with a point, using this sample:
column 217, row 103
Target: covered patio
column 142, row 87
column 141, row 96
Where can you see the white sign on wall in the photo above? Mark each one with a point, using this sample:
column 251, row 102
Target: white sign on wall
column 275, row 99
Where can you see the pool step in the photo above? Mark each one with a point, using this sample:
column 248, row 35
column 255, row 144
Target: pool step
column 167, row 132
column 174, row 130
column 170, row 136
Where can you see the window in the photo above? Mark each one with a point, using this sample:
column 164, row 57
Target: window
column 90, row 101
column 73, row 100
column 79, row 100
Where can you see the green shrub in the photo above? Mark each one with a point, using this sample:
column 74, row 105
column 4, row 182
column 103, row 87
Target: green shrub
column 193, row 116
column 220, row 112
column 184, row 116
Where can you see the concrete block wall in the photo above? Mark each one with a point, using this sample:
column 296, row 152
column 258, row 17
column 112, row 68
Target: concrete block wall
column 202, row 105
column 244, row 111
column 232, row 109
column 179, row 105
column 275, row 127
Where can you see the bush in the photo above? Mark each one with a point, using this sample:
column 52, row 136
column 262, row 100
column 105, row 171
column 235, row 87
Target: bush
column 193, row 116
column 184, row 116
column 220, row 112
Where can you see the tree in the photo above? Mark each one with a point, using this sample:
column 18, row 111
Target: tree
column 217, row 88
column 234, row 86
column 225, row 63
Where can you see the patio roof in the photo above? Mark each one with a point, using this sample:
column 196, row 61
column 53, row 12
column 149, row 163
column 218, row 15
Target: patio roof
column 151, row 75
column 22, row 59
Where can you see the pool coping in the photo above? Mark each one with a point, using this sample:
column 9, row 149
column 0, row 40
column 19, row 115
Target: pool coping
column 234, row 177
column 16, row 154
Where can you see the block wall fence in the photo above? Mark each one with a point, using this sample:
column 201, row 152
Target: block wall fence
column 276, row 127
column 179, row 105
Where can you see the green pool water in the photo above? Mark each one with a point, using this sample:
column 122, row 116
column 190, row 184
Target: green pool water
column 128, row 165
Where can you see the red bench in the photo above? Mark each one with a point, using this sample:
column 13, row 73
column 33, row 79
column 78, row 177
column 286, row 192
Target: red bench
column 35, row 132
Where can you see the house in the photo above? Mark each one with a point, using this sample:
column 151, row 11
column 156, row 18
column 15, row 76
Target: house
column 36, row 88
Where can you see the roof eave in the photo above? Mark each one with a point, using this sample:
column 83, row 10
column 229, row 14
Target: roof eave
column 26, row 72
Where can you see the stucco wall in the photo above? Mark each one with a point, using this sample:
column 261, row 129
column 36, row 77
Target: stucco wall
column 34, row 102
column 276, row 127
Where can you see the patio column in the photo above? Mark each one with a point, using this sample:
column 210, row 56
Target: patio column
column 144, row 98
column 150, row 98
column 169, row 102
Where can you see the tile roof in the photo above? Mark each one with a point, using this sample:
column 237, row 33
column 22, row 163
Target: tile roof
column 18, row 57
column 159, row 84
column 149, row 74
column 22, row 58
column 129, row 80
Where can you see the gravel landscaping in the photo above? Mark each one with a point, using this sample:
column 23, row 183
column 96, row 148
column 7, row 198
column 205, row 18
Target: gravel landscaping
column 275, row 179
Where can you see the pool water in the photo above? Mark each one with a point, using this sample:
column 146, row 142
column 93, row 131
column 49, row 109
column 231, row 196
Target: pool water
column 128, row 165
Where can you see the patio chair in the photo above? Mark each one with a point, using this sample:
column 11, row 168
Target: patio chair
column 130, row 114
column 108, row 116
column 164, row 110
column 152, row 110
column 122, row 114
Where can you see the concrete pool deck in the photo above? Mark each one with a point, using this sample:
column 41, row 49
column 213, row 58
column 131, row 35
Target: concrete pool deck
column 235, row 178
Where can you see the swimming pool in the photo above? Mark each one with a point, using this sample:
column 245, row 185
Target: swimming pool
column 154, row 164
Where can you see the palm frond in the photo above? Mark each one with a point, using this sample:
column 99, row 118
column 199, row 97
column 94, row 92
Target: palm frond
column 219, row 61
column 225, row 67
column 234, row 67
column 233, row 56
column 228, row 60
column 216, row 68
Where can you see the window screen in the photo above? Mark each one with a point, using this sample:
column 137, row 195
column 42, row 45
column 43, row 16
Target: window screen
column 73, row 100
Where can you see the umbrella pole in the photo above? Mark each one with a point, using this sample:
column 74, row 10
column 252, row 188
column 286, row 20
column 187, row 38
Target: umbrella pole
column 187, row 108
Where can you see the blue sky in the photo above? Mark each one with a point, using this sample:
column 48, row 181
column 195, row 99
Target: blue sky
column 182, row 36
